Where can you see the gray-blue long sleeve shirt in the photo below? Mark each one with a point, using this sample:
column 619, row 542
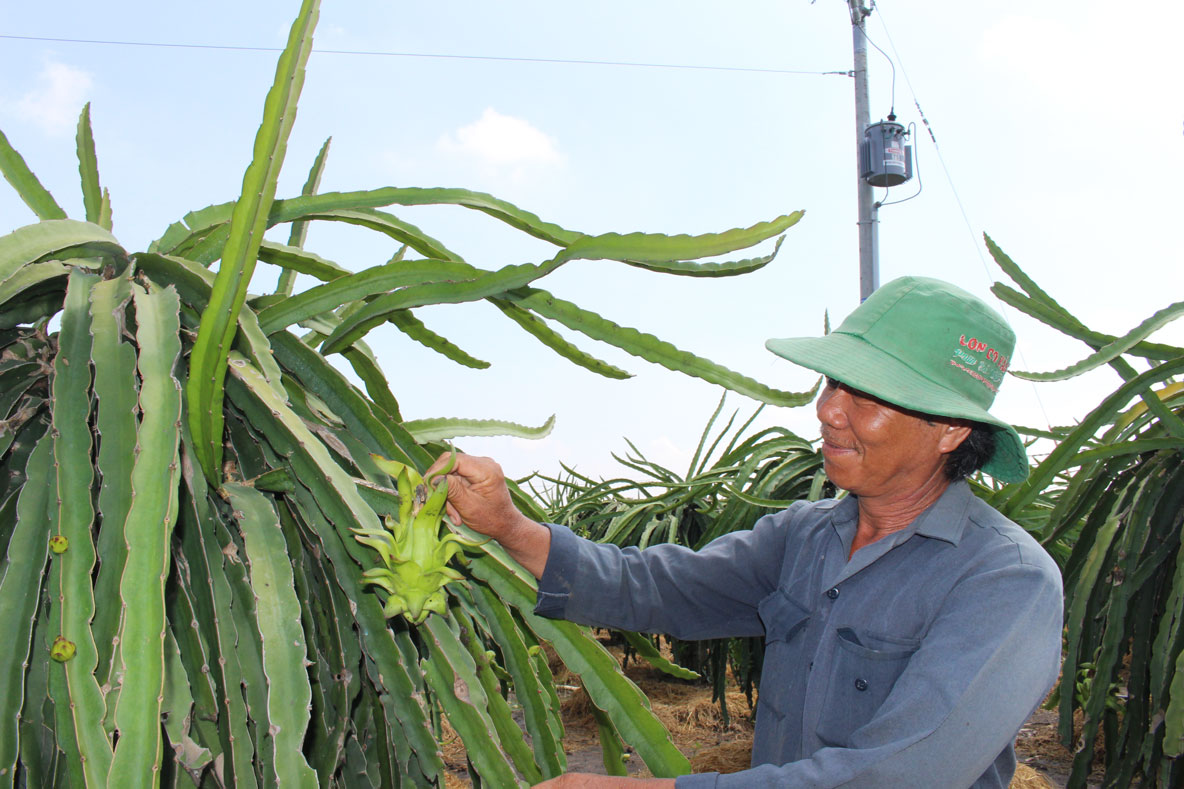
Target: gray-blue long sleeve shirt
column 912, row 664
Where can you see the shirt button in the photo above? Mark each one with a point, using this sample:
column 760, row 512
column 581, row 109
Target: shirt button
column 833, row 592
column 861, row 684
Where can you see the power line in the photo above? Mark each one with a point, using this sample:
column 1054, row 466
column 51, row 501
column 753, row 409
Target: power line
column 430, row 55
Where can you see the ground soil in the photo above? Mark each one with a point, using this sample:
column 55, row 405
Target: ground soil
column 696, row 728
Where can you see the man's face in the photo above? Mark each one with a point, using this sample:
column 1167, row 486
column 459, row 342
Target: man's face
column 873, row 448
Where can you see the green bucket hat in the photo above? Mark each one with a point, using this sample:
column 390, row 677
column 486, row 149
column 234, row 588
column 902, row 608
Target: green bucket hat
column 927, row 346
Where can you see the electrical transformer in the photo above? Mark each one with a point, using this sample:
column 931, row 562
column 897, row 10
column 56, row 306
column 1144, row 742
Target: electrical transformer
column 885, row 158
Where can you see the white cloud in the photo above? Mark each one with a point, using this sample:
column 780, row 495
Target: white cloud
column 1027, row 44
column 1102, row 56
column 502, row 141
column 57, row 99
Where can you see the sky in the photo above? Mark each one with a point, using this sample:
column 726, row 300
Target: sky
column 1059, row 134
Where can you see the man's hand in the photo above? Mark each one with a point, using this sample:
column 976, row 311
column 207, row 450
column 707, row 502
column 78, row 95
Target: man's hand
column 479, row 498
column 477, row 494
column 587, row 781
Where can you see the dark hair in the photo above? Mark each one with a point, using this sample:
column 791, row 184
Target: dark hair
column 972, row 454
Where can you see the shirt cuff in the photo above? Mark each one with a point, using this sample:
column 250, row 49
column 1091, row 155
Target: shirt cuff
column 559, row 574
column 696, row 781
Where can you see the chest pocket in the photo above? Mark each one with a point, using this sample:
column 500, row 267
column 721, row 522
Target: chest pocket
column 862, row 675
column 783, row 667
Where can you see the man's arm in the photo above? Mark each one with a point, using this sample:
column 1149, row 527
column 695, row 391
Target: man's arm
column 666, row 588
column 715, row 592
column 479, row 498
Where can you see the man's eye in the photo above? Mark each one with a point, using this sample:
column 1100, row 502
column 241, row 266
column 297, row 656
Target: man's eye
column 831, row 383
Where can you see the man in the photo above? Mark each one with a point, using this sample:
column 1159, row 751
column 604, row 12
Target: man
column 910, row 629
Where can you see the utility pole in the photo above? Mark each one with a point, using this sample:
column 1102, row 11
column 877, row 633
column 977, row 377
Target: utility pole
column 869, row 237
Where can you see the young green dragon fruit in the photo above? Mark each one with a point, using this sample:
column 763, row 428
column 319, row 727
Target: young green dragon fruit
column 414, row 555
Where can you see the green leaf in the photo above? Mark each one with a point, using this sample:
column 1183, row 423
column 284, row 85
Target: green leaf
column 176, row 710
column 104, row 219
column 88, row 169
column 328, row 624
column 664, row 253
column 543, row 669
column 386, row 438
column 1168, row 627
column 1168, row 671
column 363, row 285
column 328, row 499
column 277, row 613
column 249, row 648
column 695, row 464
column 1044, row 308
column 652, row 349
column 355, row 325
column 299, row 261
column 219, row 321
column 17, row 173
column 612, row 753
column 642, row 247
column 286, row 210
column 381, row 222
column 757, row 501
column 1133, row 447
column 209, row 247
column 1013, row 498
column 148, row 531
column 194, row 706
column 1027, row 283
column 193, row 284
column 1128, row 548
column 39, row 754
column 29, row 279
column 730, row 268
column 1112, row 351
column 65, row 758
column 647, row 651
column 20, row 593
column 331, row 205
column 213, row 593
column 1050, row 317
column 32, row 309
column 610, row 690
column 542, row 719
column 449, row 669
column 60, row 239
column 553, row 340
column 74, row 599
column 442, row 429
column 1173, row 735
column 1095, row 563
column 116, row 393
column 414, row 328
column 367, row 369
column 299, row 230
column 509, row 734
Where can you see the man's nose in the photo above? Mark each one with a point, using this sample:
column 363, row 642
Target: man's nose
column 831, row 407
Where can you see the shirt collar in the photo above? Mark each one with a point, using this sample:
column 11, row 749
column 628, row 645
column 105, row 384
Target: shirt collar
column 944, row 520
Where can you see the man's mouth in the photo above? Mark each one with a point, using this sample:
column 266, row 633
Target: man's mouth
column 832, row 447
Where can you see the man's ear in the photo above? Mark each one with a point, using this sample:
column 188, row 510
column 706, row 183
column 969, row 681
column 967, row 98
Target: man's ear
column 953, row 433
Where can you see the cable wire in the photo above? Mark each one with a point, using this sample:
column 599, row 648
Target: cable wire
column 892, row 104
column 431, row 55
